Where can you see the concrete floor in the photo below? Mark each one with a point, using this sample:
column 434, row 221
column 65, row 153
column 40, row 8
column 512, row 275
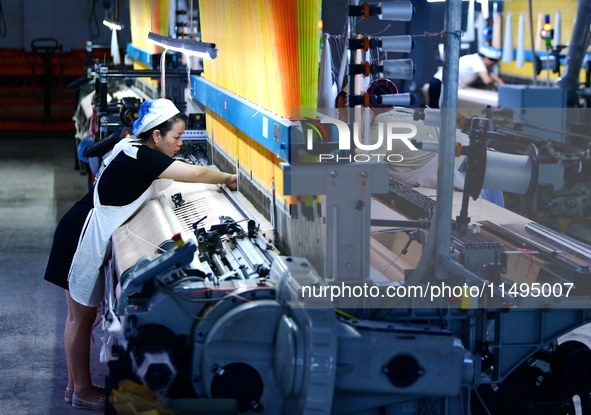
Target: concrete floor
column 38, row 184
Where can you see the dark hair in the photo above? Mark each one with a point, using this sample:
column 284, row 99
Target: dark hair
column 164, row 127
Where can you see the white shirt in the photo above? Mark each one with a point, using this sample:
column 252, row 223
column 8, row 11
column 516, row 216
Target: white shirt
column 469, row 66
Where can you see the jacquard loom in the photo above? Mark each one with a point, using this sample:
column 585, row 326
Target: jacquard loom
column 204, row 290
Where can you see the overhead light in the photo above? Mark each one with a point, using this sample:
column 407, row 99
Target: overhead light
column 186, row 46
column 113, row 25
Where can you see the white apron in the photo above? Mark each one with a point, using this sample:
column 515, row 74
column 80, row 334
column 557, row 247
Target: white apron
column 85, row 285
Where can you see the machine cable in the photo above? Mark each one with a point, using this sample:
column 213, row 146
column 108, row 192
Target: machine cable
column 2, row 21
column 93, row 21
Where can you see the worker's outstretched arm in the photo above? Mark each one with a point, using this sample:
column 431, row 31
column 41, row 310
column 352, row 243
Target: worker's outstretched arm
column 489, row 78
column 183, row 172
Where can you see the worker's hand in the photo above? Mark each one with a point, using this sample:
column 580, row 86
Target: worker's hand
column 231, row 183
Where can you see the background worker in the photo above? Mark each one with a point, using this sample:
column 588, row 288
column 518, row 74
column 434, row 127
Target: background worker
column 471, row 67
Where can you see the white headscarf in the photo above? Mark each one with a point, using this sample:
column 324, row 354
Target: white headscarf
column 153, row 113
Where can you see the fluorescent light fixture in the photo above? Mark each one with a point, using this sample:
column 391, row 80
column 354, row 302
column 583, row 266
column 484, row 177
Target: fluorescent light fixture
column 113, row 25
column 186, row 46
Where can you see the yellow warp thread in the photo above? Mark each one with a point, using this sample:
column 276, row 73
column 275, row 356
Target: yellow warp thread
column 268, row 53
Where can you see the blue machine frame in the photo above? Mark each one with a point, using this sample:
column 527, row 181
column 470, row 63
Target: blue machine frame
column 268, row 129
column 139, row 55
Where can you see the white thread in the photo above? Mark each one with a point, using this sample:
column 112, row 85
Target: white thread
column 142, row 239
column 391, row 263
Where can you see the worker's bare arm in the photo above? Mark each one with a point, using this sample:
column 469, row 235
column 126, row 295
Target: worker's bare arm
column 183, row 172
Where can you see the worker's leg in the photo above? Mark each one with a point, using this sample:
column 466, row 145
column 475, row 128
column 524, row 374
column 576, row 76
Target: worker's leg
column 70, row 375
column 77, row 344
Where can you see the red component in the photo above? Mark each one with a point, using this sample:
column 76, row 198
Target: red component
column 366, row 69
column 365, row 44
column 382, row 86
column 366, row 98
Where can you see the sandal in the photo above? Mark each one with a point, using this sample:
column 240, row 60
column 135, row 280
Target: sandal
column 68, row 395
column 82, row 404
column 70, row 392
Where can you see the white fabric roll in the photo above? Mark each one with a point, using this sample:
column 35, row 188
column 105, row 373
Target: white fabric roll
column 497, row 31
column 400, row 11
column 507, row 172
column 326, row 96
column 539, row 41
column 115, row 48
column 468, row 36
column 520, row 58
column 479, row 29
column 508, row 40
column 557, row 29
column 401, row 43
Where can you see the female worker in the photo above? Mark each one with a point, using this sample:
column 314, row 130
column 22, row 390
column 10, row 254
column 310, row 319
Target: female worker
column 127, row 179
